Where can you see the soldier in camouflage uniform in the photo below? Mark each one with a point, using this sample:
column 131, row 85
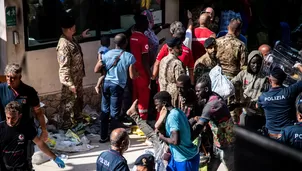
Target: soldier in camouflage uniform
column 208, row 60
column 232, row 56
column 170, row 68
column 71, row 73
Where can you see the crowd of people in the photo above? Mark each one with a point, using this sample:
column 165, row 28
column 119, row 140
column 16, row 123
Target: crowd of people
column 193, row 122
column 185, row 102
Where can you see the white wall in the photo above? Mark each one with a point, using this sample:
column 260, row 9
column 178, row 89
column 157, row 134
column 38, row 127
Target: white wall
column 3, row 57
column 41, row 67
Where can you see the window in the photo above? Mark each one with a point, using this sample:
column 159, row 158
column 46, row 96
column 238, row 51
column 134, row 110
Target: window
column 109, row 17
column 42, row 20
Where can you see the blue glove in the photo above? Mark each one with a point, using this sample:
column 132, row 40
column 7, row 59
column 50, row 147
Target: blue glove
column 59, row 162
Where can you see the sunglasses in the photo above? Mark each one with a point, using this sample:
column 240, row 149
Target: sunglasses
column 203, row 12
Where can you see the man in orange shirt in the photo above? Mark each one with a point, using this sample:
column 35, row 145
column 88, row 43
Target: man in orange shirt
column 200, row 34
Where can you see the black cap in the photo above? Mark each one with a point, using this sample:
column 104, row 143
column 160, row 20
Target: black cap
column 175, row 41
column 209, row 42
column 279, row 74
column 67, row 21
column 139, row 18
column 146, row 160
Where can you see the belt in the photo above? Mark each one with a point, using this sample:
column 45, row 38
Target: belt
column 275, row 136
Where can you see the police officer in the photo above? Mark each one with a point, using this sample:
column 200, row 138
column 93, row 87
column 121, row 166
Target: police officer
column 113, row 159
column 292, row 135
column 71, row 72
column 15, row 90
column 279, row 103
column 145, row 162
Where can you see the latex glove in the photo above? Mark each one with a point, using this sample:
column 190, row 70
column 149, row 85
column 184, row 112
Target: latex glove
column 59, row 162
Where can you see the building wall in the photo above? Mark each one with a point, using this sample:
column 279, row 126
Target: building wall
column 40, row 67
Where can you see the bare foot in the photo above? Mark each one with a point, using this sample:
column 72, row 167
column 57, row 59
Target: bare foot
column 133, row 109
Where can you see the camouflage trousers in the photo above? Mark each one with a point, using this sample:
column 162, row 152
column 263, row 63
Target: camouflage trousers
column 71, row 105
column 235, row 114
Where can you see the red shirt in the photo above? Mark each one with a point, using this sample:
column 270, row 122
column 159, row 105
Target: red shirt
column 200, row 35
column 186, row 56
column 138, row 46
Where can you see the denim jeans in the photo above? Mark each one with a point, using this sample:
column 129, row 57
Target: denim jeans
column 159, row 146
column 112, row 98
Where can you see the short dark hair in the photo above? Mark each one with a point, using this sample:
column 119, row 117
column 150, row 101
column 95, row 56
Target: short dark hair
column 140, row 21
column 205, row 80
column 163, row 96
column 279, row 75
column 184, row 79
column 105, row 41
column 235, row 24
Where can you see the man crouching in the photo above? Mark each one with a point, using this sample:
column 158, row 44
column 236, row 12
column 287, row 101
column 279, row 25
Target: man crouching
column 14, row 136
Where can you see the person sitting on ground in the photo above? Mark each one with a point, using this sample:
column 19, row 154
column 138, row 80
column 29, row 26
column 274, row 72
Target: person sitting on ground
column 105, row 43
column 159, row 146
column 252, row 83
column 145, row 162
column 15, row 134
column 113, row 159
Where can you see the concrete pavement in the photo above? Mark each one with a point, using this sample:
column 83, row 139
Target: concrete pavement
column 86, row 161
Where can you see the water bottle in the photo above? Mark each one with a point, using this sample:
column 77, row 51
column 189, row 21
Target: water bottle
column 63, row 157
